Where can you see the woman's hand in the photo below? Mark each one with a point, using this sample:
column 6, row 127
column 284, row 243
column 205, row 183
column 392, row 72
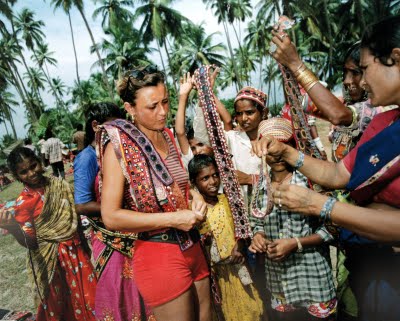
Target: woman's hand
column 268, row 145
column 186, row 84
column 280, row 249
column 185, row 220
column 286, row 52
column 298, row 199
column 236, row 256
column 259, row 243
column 7, row 220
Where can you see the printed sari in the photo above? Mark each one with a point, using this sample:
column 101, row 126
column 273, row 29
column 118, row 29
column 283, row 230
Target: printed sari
column 59, row 268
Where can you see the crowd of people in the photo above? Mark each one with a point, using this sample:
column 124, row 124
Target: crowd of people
column 148, row 232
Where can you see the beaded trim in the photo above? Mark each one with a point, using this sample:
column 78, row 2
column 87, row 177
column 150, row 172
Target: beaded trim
column 221, row 153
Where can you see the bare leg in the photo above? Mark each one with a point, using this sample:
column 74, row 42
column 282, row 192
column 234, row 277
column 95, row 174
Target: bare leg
column 179, row 309
column 202, row 299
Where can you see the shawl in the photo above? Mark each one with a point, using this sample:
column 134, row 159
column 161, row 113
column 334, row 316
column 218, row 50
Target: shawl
column 57, row 223
column 377, row 164
column 151, row 186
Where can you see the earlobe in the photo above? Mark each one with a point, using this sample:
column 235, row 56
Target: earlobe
column 396, row 56
column 128, row 107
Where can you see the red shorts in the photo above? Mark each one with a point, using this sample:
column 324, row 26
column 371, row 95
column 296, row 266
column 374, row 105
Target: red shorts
column 162, row 272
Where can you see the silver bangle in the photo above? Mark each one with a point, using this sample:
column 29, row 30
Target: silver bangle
column 299, row 162
column 326, row 210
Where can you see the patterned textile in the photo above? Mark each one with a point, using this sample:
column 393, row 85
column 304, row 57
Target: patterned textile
column 279, row 128
column 319, row 310
column 345, row 138
column 221, row 152
column 386, row 187
column 60, row 268
column 305, row 276
column 234, row 281
column 252, row 94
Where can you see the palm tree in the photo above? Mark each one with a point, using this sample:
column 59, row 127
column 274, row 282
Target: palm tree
column 159, row 22
column 79, row 5
column 196, row 48
column 6, row 103
column 113, row 12
column 122, row 51
column 66, row 5
column 35, row 79
column 59, row 86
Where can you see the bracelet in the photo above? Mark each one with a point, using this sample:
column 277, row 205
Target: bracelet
column 318, row 143
column 299, row 245
column 354, row 118
column 326, row 210
column 307, row 79
column 299, row 69
column 299, row 162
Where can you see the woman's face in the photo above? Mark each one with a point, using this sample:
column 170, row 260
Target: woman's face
column 247, row 115
column 352, row 75
column 30, row 172
column 151, row 107
column 208, row 181
column 381, row 82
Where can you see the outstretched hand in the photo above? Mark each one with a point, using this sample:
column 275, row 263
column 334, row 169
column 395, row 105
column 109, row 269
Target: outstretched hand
column 268, row 145
column 7, row 220
column 213, row 76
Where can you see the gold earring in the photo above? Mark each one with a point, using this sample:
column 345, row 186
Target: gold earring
column 132, row 118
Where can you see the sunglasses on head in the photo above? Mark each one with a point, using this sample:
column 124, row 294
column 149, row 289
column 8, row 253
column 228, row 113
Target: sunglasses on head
column 139, row 74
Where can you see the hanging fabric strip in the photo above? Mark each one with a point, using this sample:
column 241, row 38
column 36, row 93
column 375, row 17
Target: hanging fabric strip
column 221, row 153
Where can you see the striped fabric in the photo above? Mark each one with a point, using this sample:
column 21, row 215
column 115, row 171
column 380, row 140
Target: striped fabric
column 179, row 174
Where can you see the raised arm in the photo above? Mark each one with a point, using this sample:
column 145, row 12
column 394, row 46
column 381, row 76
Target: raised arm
column 329, row 106
column 117, row 218
column 186, row 85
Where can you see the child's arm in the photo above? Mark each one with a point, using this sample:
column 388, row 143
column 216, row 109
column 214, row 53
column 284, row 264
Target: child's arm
column 184, row 91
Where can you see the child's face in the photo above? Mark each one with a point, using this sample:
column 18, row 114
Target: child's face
column 30, row 172
column 276, row 164
column 198, row 148
column 208, row 181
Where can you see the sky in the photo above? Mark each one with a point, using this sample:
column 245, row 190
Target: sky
column 58, row 37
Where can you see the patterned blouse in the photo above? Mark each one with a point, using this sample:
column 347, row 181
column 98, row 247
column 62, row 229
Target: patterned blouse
column 301, row 277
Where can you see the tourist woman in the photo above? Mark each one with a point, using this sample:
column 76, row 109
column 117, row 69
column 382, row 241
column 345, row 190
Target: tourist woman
column 370, row 171
column 61, row 270
column 144, row 190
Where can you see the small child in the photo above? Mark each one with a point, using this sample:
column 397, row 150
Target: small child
column 238, row 298
column 297, row 264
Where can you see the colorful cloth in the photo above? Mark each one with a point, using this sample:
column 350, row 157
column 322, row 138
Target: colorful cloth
column 234, row 281
column 301, row 277
column 387, row 194
column 59, row 267
column 252, row 94
column 149, row 188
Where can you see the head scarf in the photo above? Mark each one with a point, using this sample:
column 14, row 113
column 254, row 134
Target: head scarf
column 279, row 128
column 253, row 94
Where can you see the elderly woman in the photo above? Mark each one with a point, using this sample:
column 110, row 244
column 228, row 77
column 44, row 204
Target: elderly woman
column 370, row 171
column 145, row 191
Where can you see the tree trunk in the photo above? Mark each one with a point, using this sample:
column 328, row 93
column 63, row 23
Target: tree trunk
column 235, row 70
column 73, row 45
column 162, row 60
column 108, row 87
column 169, row 63
column 13, row 127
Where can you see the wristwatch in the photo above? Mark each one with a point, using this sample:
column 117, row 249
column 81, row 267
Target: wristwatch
column 299, row 246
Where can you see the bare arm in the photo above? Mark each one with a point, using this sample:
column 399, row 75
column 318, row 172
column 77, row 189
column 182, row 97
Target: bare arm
column 117, row 218
column 90, row 209
column 184, row 91
column 328, row 174
column 329, row 106
column 380, row 223
column 224, row 114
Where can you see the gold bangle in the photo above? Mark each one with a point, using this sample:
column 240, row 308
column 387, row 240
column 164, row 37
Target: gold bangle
column 299, row 69
column 307, row 79
column 354, row 118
